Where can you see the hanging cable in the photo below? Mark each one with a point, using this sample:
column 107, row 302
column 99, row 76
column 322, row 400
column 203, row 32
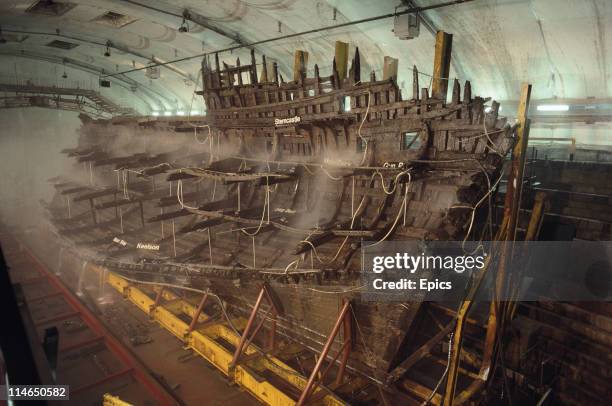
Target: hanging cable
column 173, row 238
column 266, row 207
column 363, row 139
column 448, row 358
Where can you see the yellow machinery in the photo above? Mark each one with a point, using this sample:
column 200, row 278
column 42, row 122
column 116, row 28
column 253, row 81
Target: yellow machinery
column 204, row 340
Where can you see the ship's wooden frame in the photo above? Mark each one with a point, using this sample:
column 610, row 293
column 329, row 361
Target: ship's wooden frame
column 282, row 182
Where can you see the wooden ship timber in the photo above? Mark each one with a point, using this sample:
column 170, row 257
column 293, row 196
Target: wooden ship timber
column 280, row 184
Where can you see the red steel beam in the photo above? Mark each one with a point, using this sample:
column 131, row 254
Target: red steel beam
column 196, row 315
column 247, row 329
column 81, row 344
column 310, row 385
column 132, row 365
column 101, row 381
column 62, row 316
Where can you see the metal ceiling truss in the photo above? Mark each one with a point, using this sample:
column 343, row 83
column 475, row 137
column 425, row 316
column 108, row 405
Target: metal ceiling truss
column 125, row 82
column 109, row 43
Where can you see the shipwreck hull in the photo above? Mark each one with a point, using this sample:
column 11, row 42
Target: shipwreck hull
column 283, row 183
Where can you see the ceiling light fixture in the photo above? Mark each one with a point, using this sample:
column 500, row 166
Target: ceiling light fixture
column 553, row 107
column 107, row 53
column 184, row 27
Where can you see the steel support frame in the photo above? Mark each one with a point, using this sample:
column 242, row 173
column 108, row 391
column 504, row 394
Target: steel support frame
column 198, row 312
column 344, row 320
column 249, row 333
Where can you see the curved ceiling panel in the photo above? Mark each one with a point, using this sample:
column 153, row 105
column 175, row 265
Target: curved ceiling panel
column 562, row 46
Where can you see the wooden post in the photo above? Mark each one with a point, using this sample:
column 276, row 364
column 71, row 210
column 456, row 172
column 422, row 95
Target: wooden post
column 238, row 72
column 355, row 71
column 442, row 61
column 342, row 59
column 415, row 83
column 275, row 72
column 300, row 64
column 495, row 323
column 218, row 71
column 515, row 178
column 264, row 70
column 253, row 77
column 390, row 68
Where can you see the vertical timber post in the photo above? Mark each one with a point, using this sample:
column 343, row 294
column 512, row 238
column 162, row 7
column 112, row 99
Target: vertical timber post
column 300, row 63
column 506, row 232
column 342, row 59
column 390, row 68
column 515, row 178
column 512, row 206
column 442, row 61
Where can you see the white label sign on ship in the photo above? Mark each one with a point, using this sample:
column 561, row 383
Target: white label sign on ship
column 147, row 246
column 278, row 122
column 119, row 241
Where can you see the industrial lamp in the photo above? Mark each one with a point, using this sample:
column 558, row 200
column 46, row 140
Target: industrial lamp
column 107, row 53
column 184, row 27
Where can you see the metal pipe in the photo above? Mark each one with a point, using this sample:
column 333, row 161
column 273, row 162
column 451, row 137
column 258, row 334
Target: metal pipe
column 197, row 313
column 326, row 348
column 247, row 328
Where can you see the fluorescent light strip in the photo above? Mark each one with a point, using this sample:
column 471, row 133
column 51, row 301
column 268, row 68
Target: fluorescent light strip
column 553, row 107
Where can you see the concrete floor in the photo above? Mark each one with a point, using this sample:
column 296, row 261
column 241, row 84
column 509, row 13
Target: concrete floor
column 193, row 380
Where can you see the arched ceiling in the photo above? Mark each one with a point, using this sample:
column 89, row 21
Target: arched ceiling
column 563, row 47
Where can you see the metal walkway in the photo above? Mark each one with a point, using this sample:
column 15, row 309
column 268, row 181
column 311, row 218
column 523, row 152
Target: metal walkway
column 58, row 97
